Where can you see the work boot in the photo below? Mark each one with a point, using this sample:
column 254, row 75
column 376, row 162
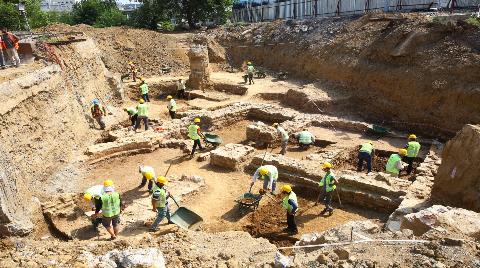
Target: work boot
column 286, row 230
column 293, row 232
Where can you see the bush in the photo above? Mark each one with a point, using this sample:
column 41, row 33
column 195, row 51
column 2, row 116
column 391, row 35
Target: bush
column 474, row 21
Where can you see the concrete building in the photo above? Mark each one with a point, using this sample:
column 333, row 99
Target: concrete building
column 57, row 5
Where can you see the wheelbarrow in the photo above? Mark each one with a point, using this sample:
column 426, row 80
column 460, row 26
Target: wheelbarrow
column 381, row 131
column 185, row 218
column 248, row 201
column 212, row 139
column 260, row 74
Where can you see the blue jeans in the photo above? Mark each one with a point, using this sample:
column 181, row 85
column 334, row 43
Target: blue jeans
column 161, row 213
column 364, row 156
column 146, row 98
column 265, row 184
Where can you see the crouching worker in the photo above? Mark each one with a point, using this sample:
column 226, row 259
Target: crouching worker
column 93, row 195
column 290, row 204
column 160, row 203
column 148, row 174
column 111, row 206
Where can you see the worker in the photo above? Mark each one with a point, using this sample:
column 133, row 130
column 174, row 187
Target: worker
column 111, row 205
column 148, row 173
column 133, row 71
column 366, row 153
column 98, row 112
column 132, row 115
column 328, row 186
column 10, row 45
column 305, row 139
column 413, row 147
column 172, row 106
column 181, row 88
column 160, row 202
column 250, row 71
column 269, row 175
column 194, row 133
column 142, row 114
column 92, row 195
column 144, row 90
column 290, row 204
column 2, row 59
column 394, row 163
column 283, row 137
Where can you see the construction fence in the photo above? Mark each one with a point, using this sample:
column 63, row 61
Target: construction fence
column 305, row 9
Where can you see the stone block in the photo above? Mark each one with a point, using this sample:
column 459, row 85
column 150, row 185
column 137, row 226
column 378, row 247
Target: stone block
column 231, row 156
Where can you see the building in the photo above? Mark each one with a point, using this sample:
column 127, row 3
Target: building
column 57, row 5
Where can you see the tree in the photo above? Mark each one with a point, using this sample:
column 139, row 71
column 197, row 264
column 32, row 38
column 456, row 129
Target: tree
column 98, row 13
column 11, row 18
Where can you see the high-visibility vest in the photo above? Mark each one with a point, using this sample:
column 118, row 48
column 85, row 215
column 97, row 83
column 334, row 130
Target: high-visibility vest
column 292, row 196
column 132, row 111
column 110, row 204
column 144, row 88
column 272, row 171
column 95, row 191
column 367, row 148
column 413, row 149
column 173, row 105
column 193, row 132
column 327, row 180
column 391, row 166
column 305, row 137
column 142, row 109
column 162, row 197
column 250, row 69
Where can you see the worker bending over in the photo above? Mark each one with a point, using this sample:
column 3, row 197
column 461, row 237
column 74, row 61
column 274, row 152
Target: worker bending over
column 148, row 173
column 144, row 90
column 283, row 137
column 160, row 203
column 394, row 163
column 328, row 186
column 92, row 195
column 269, row 175
column 305, row 139
column 172, row 106
column 413, row 147
column 290, row 204
column 194, row 133
column 365, row 153
column 132, row 115
column 111, row 205
column 98, row 112
column 142, row 115
column 250, row 71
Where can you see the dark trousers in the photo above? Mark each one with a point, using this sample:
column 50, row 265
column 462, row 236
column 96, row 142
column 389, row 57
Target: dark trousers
column 2, row 59
column 364, row 156
column 409, row 161
column 292, row 225
column 181, row 94
column 327, row 200
column 172, row 114
column 144, row 181
column 304, row 146
column 133, row 119
column 250, row 78
column 195, row 144
column 146, row 98
column 134, row 76
column 137, row 122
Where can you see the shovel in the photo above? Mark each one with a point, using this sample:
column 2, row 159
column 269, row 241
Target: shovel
column 185, row 218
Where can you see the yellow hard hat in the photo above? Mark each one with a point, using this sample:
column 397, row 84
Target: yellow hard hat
column 371, row 142
column 327, row 165
column 286, row 188
column 162, row 180
column 169, row 97
column 142, row 101
column 412, row 137
column 107, row 183
column 130, row 62
column 263, row 171
column 148, row 175
column 275, row 124
column 141, row 78
column 402, row 152
column 196, row 120
column 249, row 63
column 87, row 197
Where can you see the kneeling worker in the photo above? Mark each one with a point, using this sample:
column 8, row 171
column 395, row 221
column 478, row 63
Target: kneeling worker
column 148, row 173
column 305, row 139
column 111, row 205
column 328, row 185
column 290, row 204
column 394, row 163
column 269, row 175
column 160, row 203
column 93, row 195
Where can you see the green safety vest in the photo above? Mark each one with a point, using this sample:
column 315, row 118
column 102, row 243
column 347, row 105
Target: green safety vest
column 142, row 110
column 413, row 148
column 305, row 137
column 132, row 111
column 328, row 181
column 110, row 204
column 173, row 106
column 162, row 199
column 367, row 148
column 391, row 166
column 272, row 171
column 193, row 132
column 250, row 69
column 292, row 196
column 144, row 88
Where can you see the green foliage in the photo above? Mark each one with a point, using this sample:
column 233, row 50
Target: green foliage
column 97, row 13
column 473, row 21
column 166, row 26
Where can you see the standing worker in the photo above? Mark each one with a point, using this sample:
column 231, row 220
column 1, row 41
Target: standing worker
column 148, row 173
column 290, row 204
column 93, row 195
column 160, row 203
column 413, row 147
column 269, row 175
column 10, row 45
column 250, row 71
column 111, row 205
column 283, row 136
column 394, row 163
column 366, row 153
column 305, row 139
column 133, row 71
column 172, row 106
column 144, row 90
column 328, row 185
column 194, row 133
column 142, row 115
column 2, row 59
column 132, row 115
column 181, row 88
column 98, row 112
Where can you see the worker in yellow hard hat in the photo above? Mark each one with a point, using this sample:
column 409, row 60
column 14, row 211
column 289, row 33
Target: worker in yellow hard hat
column 250, row 72
column 290, row 204
column 160, row 202
column 133, row 71
column 172, row 106
column 283, row 137
column 413, row 147
column 142, row 114
column 195, row 133
column 328, row 184
column 132, row 115
column 92, row 195
column 366, row 153
column 394, row 163
column 148, row 174
column 144, row 90
column 111, row 206
column 269, row 175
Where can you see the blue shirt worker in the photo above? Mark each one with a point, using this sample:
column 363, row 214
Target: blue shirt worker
column 290, row 204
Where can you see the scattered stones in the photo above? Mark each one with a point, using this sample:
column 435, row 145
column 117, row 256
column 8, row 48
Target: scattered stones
column 342, row 253
column 132, row 258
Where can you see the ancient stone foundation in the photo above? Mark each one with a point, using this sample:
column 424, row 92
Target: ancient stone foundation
column 231, row 156
column 199, row 69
